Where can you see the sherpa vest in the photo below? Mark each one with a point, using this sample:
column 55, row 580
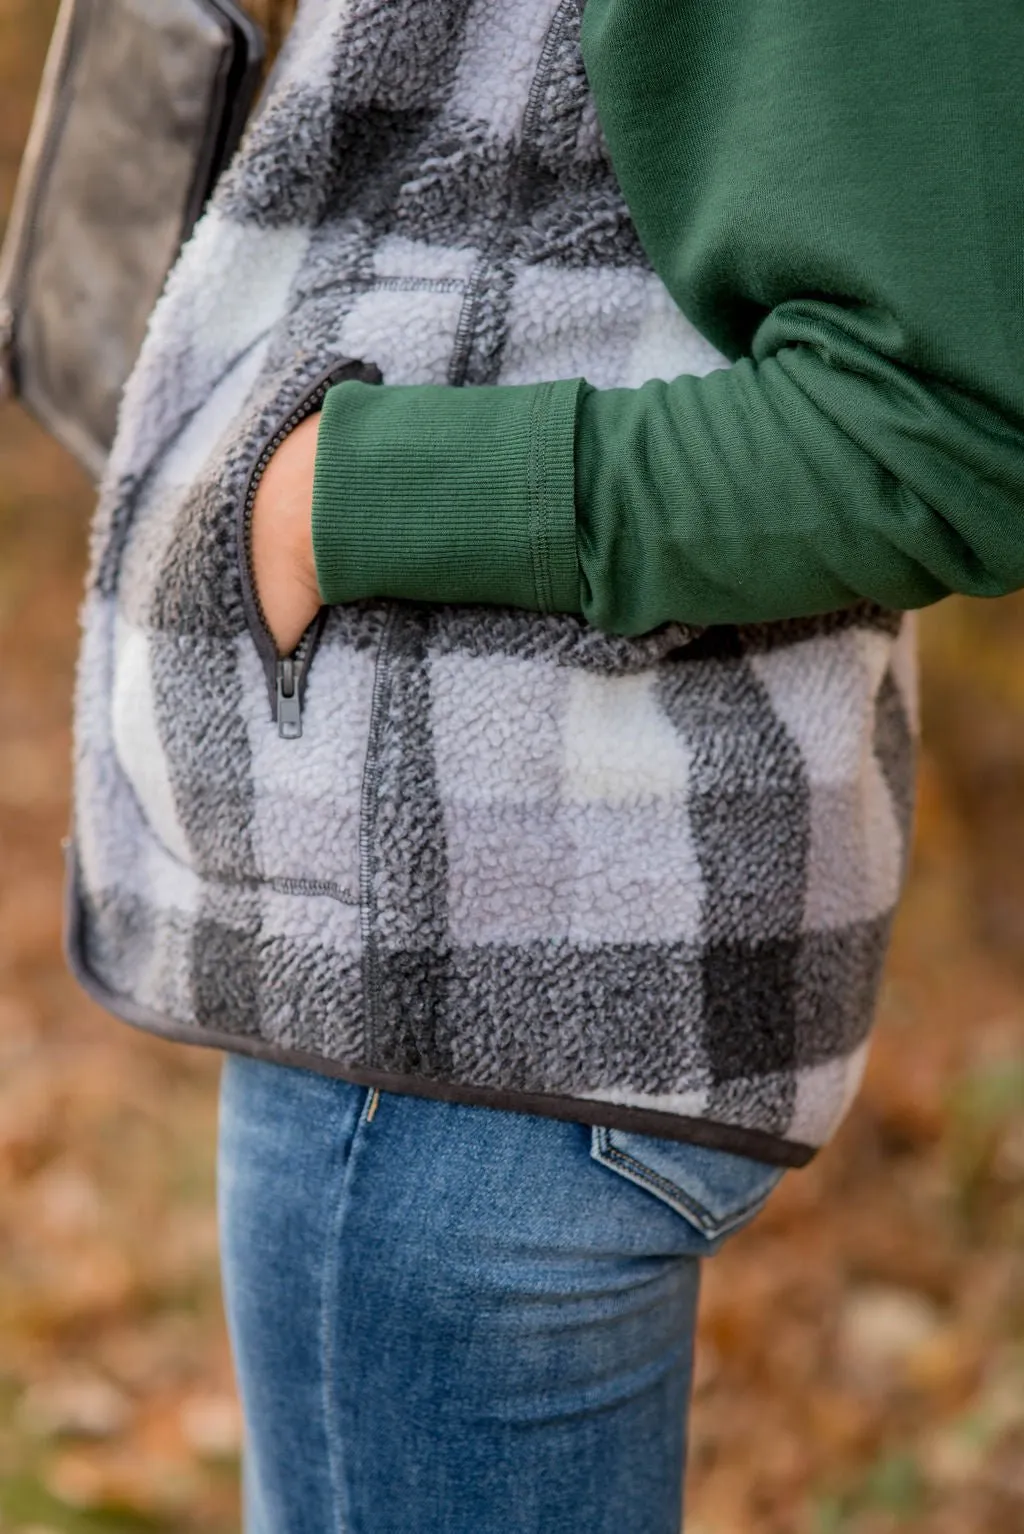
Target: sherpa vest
column 467, row 852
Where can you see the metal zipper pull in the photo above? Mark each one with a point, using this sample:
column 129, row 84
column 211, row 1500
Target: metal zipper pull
column 289, row 705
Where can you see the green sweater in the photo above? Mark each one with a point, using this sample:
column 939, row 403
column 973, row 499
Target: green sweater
column 834, row 196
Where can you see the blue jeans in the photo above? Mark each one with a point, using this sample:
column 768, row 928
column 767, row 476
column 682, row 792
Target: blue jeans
column 451, row 1320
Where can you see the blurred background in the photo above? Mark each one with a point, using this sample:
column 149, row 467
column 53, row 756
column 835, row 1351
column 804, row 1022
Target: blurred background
column 861, row 1367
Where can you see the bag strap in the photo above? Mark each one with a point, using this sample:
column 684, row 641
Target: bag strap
column 275, row 16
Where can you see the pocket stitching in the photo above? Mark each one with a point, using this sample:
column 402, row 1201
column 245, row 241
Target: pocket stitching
column 643, row 1175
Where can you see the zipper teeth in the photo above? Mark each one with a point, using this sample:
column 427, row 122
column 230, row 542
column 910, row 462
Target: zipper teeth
column 309, row 407
column 302, row 649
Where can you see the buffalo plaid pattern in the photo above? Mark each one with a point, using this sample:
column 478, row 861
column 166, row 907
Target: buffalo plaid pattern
column 511, row 859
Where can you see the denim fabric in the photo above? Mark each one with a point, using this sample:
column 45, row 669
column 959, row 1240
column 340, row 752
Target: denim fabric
column 451, row 1320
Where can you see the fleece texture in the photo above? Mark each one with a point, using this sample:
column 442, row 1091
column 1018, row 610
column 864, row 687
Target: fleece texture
column 514, row 860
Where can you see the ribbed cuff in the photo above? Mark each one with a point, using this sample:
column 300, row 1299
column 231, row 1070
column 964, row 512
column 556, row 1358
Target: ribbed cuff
column 448, row 495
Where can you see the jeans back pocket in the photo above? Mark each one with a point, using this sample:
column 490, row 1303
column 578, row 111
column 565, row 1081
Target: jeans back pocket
column 716, row 1191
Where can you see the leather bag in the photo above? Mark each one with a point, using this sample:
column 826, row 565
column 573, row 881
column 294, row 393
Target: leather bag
column 141, row 105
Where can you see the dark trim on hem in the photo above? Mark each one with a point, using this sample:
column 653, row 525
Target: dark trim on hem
column 755, row 1143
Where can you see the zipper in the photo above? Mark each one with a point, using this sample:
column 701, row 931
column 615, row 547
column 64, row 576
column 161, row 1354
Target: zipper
column 286, row 674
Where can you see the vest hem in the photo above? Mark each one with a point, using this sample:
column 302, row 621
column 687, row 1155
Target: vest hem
column 755, row 1143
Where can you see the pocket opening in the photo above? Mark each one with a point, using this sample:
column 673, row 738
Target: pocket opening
column 287, row 675
column 716, row 1191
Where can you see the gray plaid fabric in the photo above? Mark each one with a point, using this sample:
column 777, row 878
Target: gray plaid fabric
column 511, row 859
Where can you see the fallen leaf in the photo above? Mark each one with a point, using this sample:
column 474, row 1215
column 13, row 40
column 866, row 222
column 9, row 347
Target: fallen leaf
column 880, row 1330
column 82, row 1406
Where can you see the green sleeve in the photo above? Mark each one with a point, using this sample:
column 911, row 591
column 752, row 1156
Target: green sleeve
column 453, row 495
column 835, row 197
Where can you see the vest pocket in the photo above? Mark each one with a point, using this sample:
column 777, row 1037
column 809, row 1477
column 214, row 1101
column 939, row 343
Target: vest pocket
column 217, row 777
column 287, row 675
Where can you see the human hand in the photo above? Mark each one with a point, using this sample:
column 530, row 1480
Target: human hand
column 283, row 565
